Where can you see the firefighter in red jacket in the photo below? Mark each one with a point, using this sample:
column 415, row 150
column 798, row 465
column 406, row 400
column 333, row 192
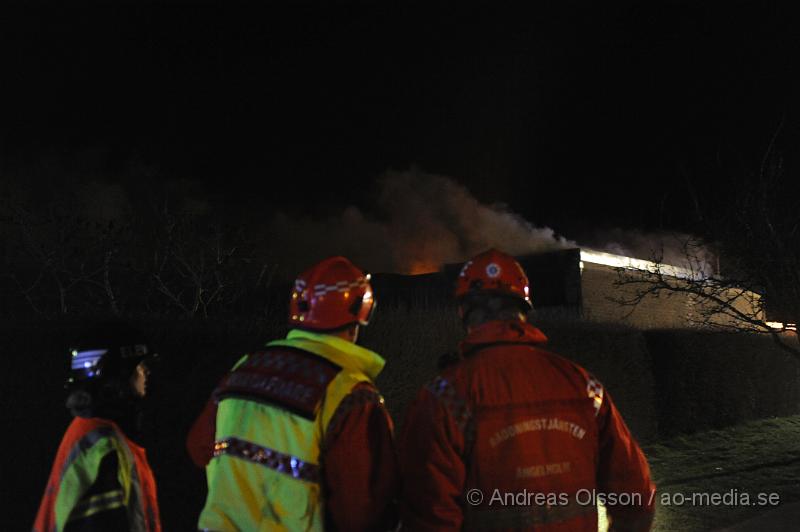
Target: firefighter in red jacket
column 101, row 479
column 513, row 437
column 296, row 436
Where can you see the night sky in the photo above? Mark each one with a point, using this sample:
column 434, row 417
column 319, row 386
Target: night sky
column 576, row 115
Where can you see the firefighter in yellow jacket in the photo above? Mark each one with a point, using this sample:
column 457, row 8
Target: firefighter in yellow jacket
column 296, row 436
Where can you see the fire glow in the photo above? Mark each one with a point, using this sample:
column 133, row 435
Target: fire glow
column 421, row 267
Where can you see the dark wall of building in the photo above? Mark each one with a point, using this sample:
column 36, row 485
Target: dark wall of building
column 392, row 289
column 555, row 278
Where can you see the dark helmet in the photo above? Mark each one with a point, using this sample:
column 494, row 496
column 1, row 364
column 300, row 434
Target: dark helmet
column 107, row 351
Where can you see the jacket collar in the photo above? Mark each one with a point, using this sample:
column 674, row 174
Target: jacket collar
column 337, row 350
column 501, row 332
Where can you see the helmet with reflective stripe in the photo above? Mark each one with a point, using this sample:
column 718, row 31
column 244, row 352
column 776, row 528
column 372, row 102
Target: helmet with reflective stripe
column 107, row 350
column 330, row 295
column 493, row 272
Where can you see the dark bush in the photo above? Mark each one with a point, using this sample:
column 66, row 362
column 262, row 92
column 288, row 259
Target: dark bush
column 712, row 380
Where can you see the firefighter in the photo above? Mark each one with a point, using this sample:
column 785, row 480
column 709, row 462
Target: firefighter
column 101, row 479
column 296, row 436
column 511, row 436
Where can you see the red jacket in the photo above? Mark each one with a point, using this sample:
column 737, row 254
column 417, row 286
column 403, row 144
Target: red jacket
column 516, row 437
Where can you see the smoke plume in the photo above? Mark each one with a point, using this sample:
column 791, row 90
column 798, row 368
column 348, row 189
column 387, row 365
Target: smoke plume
column 417, row 222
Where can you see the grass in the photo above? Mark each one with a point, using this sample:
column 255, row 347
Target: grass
column 755, row 457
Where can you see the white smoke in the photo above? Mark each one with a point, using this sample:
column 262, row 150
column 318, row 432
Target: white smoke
column 418, row 222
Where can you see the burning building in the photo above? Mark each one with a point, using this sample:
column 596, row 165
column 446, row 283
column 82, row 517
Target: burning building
column 582, row 284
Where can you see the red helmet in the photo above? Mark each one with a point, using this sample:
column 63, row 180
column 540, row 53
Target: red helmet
column 330, row 295
column 493, row 272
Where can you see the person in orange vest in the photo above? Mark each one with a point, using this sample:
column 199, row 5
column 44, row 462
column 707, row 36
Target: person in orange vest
column 296, row 436
column 513, row 437
column 101, row 479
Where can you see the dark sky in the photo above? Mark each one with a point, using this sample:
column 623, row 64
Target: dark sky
column 574, row 115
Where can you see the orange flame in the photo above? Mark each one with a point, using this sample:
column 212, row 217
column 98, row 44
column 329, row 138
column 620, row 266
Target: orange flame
column 422, row 266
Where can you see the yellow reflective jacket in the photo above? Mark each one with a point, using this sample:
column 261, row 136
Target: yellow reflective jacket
column 71, row 493
column 273, row 412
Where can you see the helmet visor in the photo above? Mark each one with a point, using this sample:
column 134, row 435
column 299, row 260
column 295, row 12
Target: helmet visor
column 85, row 363
column 367, row 308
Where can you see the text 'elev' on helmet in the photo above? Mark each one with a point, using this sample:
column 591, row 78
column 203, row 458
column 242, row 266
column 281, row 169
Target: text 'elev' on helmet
column 330, row 295
column 109, row 350
column 493, row 272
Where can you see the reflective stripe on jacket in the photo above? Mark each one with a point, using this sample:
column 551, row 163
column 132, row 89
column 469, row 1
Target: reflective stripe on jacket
column 75, row 469
column 274, row 410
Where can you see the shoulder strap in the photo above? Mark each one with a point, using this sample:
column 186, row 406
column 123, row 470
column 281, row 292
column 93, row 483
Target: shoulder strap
column 290, row 378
